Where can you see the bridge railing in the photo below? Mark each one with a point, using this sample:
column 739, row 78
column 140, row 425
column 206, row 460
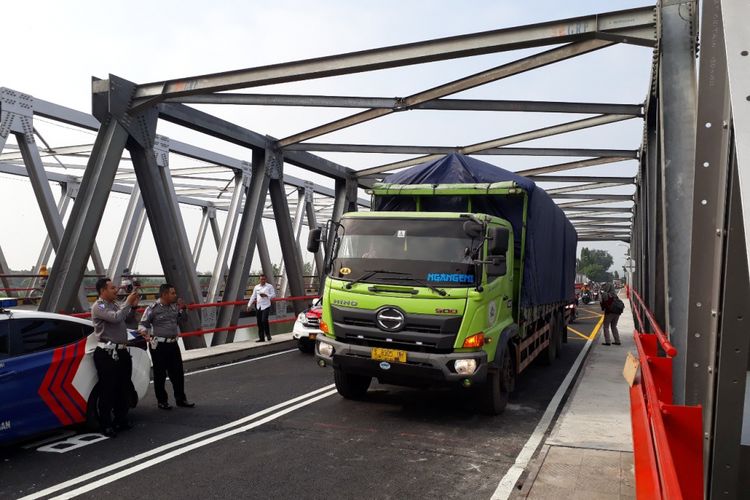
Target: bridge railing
column 231, row 303
column 667, row 438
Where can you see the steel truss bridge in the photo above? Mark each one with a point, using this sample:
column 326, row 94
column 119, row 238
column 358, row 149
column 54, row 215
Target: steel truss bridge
column 683, row 213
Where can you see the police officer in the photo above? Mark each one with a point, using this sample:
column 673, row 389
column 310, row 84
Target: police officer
column 111, row 357
column 162, row 319
column 263, row 292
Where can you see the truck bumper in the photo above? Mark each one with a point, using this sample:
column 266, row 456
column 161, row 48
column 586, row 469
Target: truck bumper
column 420, row 368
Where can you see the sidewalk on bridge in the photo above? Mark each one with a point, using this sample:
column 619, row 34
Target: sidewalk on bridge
column 227, row 353
column 589, row 452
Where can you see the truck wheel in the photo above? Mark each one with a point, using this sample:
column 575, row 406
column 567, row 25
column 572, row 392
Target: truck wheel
column 550, row 352
column 562, row 333
column 351, row 386
column 494, row 394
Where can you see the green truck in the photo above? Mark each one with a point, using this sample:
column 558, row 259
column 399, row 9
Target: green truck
column 446, row 282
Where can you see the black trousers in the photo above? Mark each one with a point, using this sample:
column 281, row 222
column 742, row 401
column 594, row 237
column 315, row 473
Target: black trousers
column 114, row 385
column 168, row 360
column 264, row 329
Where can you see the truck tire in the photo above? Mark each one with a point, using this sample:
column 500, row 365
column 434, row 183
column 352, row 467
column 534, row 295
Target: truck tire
column 494, row 394
column 562, row 333
column 549, row 353
column 351, row 386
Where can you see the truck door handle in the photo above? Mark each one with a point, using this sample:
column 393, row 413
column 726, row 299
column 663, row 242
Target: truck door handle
column 7, row 374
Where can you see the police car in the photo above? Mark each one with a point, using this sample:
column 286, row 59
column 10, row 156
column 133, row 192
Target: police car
column 47, row 374
column 307, row 327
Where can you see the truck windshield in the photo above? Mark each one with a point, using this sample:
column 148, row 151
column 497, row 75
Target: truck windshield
column 431, row 250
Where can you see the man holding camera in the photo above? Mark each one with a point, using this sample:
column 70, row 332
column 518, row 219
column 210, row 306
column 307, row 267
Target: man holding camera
column 263, row 292
column 111, row 357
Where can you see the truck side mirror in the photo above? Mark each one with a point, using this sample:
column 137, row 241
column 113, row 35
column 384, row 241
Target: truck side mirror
column 498, row 242
column 313, row 240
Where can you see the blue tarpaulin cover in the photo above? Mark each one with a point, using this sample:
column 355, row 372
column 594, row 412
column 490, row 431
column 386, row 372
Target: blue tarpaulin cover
column 551, row 240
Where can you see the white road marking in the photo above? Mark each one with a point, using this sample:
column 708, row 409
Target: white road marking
column 42, row 442
column 235, row 363
column 508, row 482
column 179, row 443
column 193, row 446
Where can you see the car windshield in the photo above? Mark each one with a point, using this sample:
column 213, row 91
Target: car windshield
column 400, row 251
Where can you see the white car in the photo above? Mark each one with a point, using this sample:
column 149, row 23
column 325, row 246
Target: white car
column 47, row 374
column 307, row 327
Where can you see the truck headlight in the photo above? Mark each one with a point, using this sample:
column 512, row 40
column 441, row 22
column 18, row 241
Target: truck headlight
column 325, row 349
column 302, row 318
column 465, row 366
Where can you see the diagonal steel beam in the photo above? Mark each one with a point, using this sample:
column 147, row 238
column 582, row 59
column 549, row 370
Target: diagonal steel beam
column 634, row 25
column 396, row 103
column 585, row 187
column 83, row 224
column 247, row 238
column 513, row 68
column 62, row 151
column 444, row 150
column 593, row 196
column 504, row 141
column 228, row 131
column 599, row 209
column 561, row 167
column 581, row 178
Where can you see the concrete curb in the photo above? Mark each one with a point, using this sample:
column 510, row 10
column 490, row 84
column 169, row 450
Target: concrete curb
column 222, row 358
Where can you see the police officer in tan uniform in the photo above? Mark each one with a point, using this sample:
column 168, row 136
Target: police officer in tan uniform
column 111, row 357
column 162, row 319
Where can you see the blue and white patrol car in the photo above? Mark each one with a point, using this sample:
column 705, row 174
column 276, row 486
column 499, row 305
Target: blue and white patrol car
column 47, row 374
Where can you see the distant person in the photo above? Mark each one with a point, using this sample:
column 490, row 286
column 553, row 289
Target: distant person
column 43, row 277
column 111, row 357
column 263, row 292
column 611, row 306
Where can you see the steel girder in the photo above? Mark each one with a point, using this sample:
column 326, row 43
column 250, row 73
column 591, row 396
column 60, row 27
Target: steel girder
column 126, row 238
column 299, row 213
column 201, row 236
column 312, row 223
column 78, row 238
column 718, row 344
column 711, row 171
column 220, row 266
column 287, row 231
column 503, row 141
column 677, row 99
column 5, row 270
column 442, row 150
column 222, row 129
column 247, row 237
column 397, row 104
column 46, row 252
column 484, row 77
column 635, row 26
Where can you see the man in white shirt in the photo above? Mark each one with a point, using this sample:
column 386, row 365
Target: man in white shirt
column 263, row 292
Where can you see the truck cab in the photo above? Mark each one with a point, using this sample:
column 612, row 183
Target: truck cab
column 418, row 299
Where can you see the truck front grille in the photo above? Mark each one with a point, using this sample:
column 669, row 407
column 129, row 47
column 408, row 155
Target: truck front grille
column 421, row 332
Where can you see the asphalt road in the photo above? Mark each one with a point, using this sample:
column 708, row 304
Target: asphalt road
column 274, row 427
